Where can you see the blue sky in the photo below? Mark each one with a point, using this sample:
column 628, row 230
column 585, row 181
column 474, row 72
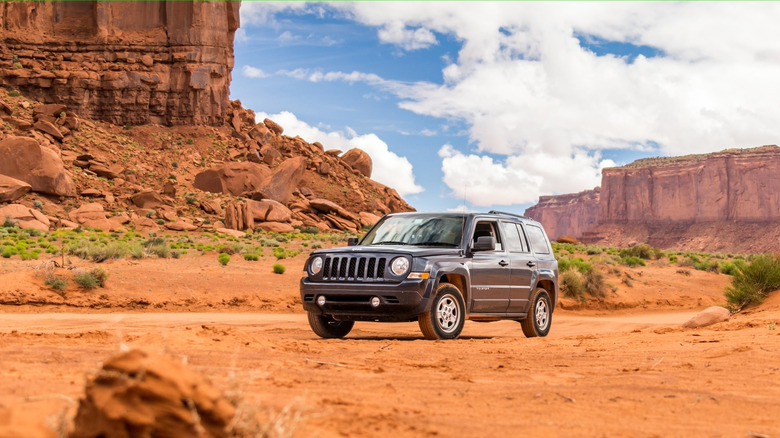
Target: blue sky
column 490, row 105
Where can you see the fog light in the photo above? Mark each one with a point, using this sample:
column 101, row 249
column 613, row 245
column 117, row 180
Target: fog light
column 375, row 301
column 321, row 300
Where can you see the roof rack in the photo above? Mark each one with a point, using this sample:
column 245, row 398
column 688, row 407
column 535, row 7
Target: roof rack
column 506, row 214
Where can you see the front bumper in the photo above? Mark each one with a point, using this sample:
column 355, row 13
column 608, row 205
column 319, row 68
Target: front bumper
column 348, row 301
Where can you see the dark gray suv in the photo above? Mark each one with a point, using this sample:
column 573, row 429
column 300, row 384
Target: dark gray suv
column 438, row 269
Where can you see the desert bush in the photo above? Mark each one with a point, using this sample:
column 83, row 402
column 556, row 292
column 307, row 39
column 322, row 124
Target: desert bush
column 85, row 280
column 707, row 265
column 593, row 250
column 595, row 284
column 631, row 261
column 55, row 283
column 572, row 283
column 279, row 269
column 280, row 253
column 672, row 258
column 578, row 264
column 752, row 282
column 642, row 251
column 251, row 257
column 223, row 259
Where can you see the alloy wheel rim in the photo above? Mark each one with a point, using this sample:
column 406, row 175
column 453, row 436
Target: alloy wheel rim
column 448, row 313
column 542, row 314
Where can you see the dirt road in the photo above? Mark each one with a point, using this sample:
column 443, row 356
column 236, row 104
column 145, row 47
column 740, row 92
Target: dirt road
column 622, row 375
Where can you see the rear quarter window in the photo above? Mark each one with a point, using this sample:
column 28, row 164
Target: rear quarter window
column 537, row 239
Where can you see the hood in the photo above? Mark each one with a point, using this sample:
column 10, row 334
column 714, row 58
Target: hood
column 414, row 251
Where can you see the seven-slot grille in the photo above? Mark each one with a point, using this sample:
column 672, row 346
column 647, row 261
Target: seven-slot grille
column 354, row 268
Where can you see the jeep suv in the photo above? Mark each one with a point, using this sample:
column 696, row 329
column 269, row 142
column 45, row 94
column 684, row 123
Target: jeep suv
column 438, row 269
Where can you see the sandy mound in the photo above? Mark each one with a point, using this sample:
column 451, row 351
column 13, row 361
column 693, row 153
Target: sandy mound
column 139, row 395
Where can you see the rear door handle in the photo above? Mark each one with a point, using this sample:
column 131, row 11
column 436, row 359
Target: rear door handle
column 531, row 264
column 503, row 263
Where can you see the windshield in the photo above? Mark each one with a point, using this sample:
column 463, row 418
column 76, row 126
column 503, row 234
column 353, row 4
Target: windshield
column 418, row 231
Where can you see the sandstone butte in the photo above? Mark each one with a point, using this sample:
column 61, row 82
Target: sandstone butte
column 123, row 107
column 727, row 201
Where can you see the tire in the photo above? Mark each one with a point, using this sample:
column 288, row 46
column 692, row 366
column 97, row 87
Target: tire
column 539, row 318
column 327, row 327
column 447, row 315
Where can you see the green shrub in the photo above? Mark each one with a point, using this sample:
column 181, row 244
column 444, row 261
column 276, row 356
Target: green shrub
column 578, row 264
column 593, row 250
column 85, row 280
column 223, row 259
column 707, row 265
column 251, row 257
column 752, row 282
column 55, row 283
column 280, row 253
column 279, row 269
column 631, row 261
column 672, row 258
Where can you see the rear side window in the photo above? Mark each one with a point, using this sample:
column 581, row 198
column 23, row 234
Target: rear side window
column 538, row 242
column 514, row 239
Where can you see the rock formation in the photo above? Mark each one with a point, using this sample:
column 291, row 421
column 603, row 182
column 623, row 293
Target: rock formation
column 567, row 215
column 139, row 394
column 128, row 63
column 732, row 185
column 727, row 201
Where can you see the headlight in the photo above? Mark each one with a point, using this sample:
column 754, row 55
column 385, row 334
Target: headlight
column 399, row 266
column 316, row 265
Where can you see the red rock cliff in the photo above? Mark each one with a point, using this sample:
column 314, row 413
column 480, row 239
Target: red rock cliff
column 567, row 215
column 733, row 186
column 128, row 63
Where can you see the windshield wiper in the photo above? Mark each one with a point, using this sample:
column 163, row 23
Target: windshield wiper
column 434, row 244
column 390, row 242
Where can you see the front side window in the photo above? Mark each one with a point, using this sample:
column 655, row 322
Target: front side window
column 418, row 230
column 487, row 228
column 538, row 241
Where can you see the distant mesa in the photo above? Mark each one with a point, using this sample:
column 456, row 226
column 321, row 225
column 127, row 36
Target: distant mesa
column 722, row 201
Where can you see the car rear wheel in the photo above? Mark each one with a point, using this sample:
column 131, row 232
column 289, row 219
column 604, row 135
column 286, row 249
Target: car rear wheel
column 327, row 327
column 447, row 315
column 539, row 318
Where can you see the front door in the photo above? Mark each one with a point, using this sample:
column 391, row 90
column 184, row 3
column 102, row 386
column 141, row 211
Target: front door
column 490, row 273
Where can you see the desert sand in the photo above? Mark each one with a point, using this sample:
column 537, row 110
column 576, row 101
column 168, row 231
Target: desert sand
column 621, row 367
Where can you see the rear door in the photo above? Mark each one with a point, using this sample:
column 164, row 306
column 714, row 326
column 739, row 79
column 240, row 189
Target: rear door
column 490, row 272
column 523, row 267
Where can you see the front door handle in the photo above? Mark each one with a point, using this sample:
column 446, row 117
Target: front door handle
column 503, row 263
column 531, row 264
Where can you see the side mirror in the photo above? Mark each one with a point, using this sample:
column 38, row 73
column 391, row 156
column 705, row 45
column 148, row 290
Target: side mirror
column 352, row 241
column 485, row 243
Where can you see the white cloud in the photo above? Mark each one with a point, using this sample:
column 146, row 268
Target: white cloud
column 409, row 39
column 253, row 72
column 388, row 168
column 530, row 92
column 483, row 181
column 262, row 13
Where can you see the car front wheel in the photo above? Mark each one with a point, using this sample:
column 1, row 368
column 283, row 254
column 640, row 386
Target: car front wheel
column 327, row 327
column 539, row 318
column 447, row 315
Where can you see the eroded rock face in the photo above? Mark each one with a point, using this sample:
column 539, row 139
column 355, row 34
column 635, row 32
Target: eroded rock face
column 567, row 215
column 166, row 62
column 715, row 202
column 736, row 185
column 24, row 159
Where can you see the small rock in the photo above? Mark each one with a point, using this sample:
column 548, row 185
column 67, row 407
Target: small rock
column 273, row 126
column 708, row 316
